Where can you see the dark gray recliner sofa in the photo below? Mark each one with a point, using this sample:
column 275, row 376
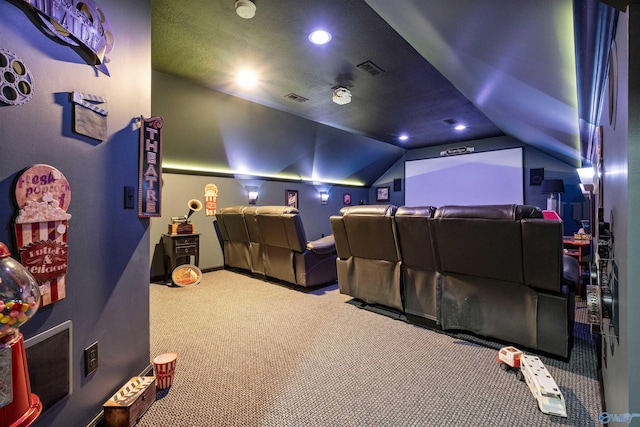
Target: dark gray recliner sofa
column 497, row 271
column 503, row 275
column 235, row 238
column 287, row 254
column 368, row 259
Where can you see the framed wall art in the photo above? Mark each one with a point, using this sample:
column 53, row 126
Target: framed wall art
column 291, row 198
column 346, row 199
column 382, row 194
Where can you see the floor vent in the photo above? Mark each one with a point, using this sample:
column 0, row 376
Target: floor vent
column 371, row 68
column 292, row 96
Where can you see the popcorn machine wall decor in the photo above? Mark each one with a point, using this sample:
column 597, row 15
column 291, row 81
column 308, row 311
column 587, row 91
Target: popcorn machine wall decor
column 43, row 195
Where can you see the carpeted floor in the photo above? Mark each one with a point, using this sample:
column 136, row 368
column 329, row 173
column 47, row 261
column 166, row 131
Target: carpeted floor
column 253, row 353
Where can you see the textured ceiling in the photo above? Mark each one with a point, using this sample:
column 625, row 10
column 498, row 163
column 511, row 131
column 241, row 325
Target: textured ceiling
column 500, row 67
column 205, row 42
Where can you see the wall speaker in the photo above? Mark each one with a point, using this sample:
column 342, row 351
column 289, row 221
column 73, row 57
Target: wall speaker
column 397, row 184
column 536, row 176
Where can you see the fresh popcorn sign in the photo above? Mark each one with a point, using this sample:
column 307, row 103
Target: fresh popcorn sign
column 43, row 195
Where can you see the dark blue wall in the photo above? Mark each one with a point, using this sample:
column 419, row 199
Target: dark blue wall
column 107, row 295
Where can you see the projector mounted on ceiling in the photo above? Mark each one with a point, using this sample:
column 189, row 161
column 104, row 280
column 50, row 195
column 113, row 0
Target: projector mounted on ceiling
column 342, row 96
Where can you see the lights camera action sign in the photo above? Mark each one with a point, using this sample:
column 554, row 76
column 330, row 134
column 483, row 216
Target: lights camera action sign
column 150, row 171
column 77, row 23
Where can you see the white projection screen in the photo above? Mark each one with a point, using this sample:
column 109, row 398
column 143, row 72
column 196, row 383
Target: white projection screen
column 487, row 178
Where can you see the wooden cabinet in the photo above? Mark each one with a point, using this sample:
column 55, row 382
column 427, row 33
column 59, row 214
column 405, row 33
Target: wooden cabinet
column 178, row 249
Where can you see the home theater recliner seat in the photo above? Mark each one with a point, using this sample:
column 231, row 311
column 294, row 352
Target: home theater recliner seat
column 235, row 239
column 497, row 271
column 502, row 275
column 271, row 241
column 368, row 260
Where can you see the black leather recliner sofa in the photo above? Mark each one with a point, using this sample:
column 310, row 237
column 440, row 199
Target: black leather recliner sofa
column 497, row 271
column 270, row 241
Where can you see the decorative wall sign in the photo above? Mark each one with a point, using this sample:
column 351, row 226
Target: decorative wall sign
column 89, row 119
column 210, row 199
column 150, row 171
column 457, row 150
column 43, row 196
column 16, row 83
column 78, row 23
column 291, row 198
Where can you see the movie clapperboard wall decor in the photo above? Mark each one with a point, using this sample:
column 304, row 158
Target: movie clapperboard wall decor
column 89, row 119
column 43, row 195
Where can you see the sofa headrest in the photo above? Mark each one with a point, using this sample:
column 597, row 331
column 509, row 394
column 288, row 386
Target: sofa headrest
column 276, row 210
column 232, row 210
column 506, row 212
column 416, row 211
column 369, row 210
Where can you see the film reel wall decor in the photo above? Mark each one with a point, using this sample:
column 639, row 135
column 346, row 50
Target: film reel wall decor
column 16, row 82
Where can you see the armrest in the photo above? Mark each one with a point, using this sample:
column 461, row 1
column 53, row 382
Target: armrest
column 570, row 272
column 322, row 246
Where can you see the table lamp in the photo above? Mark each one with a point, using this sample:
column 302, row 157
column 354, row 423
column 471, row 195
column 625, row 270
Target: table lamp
column 553, row 187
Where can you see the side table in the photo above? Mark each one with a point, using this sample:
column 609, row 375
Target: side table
column 179, row 247
column 575, row 247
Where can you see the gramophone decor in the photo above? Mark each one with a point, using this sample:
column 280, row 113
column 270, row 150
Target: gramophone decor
column 181, row 224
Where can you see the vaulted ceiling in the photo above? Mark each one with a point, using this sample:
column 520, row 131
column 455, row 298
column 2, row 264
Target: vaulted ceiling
column 412, row 66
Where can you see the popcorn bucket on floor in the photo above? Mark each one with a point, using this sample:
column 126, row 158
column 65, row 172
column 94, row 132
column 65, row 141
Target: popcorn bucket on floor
column 164, row 367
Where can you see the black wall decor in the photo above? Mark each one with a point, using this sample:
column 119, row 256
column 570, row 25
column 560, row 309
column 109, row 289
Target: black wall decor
column 536, row 176
column 397, row 184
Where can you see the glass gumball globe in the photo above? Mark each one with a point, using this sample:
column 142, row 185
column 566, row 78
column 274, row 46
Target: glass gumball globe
column 19, row 294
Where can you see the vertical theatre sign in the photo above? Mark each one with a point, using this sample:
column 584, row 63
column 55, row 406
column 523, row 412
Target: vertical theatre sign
column 150, row 171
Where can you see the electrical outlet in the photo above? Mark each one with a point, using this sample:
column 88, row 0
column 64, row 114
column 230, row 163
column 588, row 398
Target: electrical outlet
column 90, row 358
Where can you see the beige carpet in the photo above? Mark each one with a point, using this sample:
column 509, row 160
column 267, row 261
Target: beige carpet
column 254, row 353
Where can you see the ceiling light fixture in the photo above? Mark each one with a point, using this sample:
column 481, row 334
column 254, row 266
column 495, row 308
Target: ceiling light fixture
column 245, row 9
column 341, row 96
column 460, row 127
column 247, row 78
column 320, row 37
column 403, row 137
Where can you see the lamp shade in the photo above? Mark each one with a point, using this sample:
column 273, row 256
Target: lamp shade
column 551, row 186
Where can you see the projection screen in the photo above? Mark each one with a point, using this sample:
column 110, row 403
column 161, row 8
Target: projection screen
column 486, row 178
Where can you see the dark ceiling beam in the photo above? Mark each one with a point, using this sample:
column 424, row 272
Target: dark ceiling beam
column 621, row 5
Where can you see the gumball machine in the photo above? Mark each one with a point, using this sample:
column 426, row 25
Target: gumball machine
column 19, row 301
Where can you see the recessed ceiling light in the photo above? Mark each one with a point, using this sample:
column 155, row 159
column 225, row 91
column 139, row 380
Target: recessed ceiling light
column 460, row 127
column 403, row 137
column 247, row 78
column 320, row 37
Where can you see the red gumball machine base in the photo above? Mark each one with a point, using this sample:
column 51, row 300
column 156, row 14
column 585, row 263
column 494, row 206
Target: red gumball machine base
column 24, row 406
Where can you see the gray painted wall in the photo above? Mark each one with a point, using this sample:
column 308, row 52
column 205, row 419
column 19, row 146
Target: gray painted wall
column 107, row 281
column 621, row 197
column 179, row 188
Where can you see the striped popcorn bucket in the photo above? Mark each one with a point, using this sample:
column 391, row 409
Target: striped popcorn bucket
column 53, row 289
column 164, row 367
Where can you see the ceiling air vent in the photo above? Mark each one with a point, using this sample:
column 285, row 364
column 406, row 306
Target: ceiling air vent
column 292, row 96
column 450, row 121
column 371, row 68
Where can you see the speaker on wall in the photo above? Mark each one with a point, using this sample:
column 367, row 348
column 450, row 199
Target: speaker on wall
column 536, row 176
column 397, row 184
